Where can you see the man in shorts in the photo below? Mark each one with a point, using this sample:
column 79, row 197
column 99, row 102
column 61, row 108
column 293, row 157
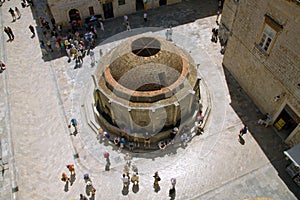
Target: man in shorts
column 74, row 123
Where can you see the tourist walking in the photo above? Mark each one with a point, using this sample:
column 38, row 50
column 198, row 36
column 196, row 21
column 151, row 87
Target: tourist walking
column 167, row 35
column 13, row 15
column 79, row 56
column 49, row 45
column 90, row 188
column 170, row 34
column 72, row 173
column 156, row 182
column 30, row 2
column 218, row 15
column 134, row 168
column 106, row 156
column 128, row 159
column 156, row 179
column 58, row 47
column 74, row 123
column 24, row 3
column 12, row 36
column 244, row 130
column 173, row 134
column 32, row 31
column 145, row 17
column 2, row 66
column 126, row 170
column 125, row 19
column 18, row 12
column 128, row 26
column 64, row 177
column 215, row 32
column 43, row 48
column 92, row 56
column 125, row 180
column 7, row 32
column 101, row 26
column 135, row 179
column 71, row 169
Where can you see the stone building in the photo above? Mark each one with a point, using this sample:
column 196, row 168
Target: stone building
column 262, row 39
column 146, row 86
column 65, row 11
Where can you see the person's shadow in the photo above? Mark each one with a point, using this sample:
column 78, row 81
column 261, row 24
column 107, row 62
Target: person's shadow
column 88, row 190
column 74, row 133
column 72, row 179
column 92, row 197
column 66, row 189
column 172, row 193
column 135, row 188
column 77, row 65
column 125, row 190
column 241, row 140
column 107, row 166
column 156, row 188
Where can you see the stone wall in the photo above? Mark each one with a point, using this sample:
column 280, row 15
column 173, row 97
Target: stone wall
column 264, row 75
column 60, row 8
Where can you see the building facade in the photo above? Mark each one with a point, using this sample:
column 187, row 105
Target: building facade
column 266, row 35
column 64, row 11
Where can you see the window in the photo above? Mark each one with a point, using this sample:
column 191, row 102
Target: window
column 121, row 2
column 268, row 36
column 91, row 10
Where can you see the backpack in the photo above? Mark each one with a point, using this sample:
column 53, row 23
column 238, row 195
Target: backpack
column 74, row 122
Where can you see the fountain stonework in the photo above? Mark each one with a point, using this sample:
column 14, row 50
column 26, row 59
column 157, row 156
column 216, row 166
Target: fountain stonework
column 146, row 87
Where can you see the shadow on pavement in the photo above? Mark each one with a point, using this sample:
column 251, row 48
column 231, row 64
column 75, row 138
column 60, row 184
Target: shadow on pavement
column 160, row 18
column 271, row 144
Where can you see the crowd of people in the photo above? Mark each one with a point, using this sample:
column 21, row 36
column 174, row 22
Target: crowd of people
column 130, row 175
column 122, row 142
column 216, row 29
column 76, row 43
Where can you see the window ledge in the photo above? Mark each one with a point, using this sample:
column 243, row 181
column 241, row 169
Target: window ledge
column 257, row 50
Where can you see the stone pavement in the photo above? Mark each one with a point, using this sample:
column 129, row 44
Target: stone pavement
column 39, row 98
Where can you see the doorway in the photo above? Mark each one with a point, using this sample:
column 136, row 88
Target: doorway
column 108, row 10
column 139, row 5
column 162, row 2
column 286, row 122
column 74, row 15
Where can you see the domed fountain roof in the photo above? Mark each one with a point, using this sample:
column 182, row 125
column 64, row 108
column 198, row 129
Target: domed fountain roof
column 146, row 69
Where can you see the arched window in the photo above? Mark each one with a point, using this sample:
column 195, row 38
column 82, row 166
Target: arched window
column 74, row 15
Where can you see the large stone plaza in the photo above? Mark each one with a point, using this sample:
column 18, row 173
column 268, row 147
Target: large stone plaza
column 39, row 96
